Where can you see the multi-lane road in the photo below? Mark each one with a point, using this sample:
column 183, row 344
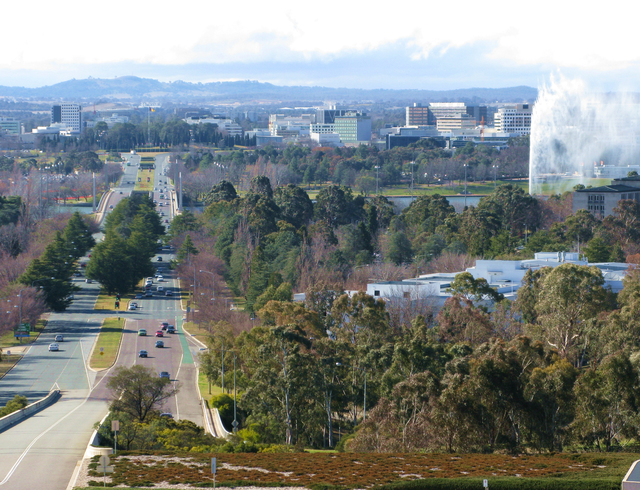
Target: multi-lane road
column 42, row 451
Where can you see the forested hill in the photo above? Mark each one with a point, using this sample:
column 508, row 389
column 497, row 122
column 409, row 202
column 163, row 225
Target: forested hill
column 127, row 87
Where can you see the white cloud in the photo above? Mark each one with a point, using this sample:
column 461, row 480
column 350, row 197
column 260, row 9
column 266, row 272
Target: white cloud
column 169, row 33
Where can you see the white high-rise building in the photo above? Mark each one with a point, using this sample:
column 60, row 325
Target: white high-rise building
column 69, row 115
column 514, row 119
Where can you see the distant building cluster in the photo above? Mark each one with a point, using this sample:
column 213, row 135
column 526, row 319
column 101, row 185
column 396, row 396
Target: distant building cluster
column 449, row 124
column 504, row 276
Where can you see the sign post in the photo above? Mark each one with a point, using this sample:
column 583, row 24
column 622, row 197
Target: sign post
column 213, row 471
column 485, row 483
column 103, row 465
column 115, row 427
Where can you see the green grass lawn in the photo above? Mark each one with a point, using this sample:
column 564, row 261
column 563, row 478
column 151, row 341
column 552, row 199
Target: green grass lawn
column 202, row 334
column 106, row 349
column 107, row 301
column 7, row 340
column 203, row 385
column 8, row 362
column 143, row 185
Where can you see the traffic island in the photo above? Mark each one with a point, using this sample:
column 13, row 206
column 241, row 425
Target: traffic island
column 105, row 350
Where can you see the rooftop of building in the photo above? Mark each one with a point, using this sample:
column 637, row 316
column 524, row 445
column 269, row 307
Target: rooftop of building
column 610, row 188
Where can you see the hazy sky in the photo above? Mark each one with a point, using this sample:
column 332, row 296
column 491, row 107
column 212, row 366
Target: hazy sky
column 409, row 44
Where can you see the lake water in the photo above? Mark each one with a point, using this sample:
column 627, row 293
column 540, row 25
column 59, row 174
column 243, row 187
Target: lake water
column 401, row 202
column 73, row 209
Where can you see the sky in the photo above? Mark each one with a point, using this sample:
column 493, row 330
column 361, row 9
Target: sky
column 388, row 45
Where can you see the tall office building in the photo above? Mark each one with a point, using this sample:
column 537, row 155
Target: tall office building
column 353, row 126
column 419, row 115
column 69, row 115
column 328, row 116
column 422, row 115
column 9, row 125
column 514, row 119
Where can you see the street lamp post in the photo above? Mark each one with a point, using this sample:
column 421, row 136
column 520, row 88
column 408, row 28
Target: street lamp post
column 465, row 184
column 412, row 164
column 213, row 293
column 377, row 167
column 495, row 176
column 235, row 397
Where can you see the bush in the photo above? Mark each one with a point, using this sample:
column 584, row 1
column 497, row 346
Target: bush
column 18, row 403
column 506, row 484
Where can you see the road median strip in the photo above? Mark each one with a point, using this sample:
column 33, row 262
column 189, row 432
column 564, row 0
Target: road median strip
column 106, row 347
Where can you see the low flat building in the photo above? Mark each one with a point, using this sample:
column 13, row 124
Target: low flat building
column 505, row 276
column 600, row 201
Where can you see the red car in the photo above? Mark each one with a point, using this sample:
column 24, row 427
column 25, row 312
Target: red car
column 164, row 325
column 159, row 333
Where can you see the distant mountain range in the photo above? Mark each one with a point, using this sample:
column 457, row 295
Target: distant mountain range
column 136, row 88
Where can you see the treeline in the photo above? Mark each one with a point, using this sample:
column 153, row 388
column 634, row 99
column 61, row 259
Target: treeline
column 364, row 168
column 159, row 134
column 131, row 235
column 52, row 272
column 282, row 232
column 557, row 370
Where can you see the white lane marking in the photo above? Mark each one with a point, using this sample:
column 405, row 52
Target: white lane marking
column 67, row 364
column 84, row 363
column 28, row 448
column 176, row 380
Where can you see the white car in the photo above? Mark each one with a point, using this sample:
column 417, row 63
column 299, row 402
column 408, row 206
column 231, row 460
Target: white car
column 54, row 347
column 133, row 306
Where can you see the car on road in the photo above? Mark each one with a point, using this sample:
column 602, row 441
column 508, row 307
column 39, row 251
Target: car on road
column 168, row 293
column 142, row 332
column 167, row 415
column 59, row 338
column 132, row 307
column 159, row 344
column 139, row 296
column 148, row 294
column 160, row 289
column 160, row 278
column 164, row 325
column 159, row 333
column 165, row 374
column 171, row 329
column 120, row 192
column 159, row 259
column 54, row 347
column 110, row 206
column 143, row 353
column 77, row 274
column 166, row 221
column 88, row 281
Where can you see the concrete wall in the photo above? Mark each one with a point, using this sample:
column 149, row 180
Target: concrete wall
column 20, row 415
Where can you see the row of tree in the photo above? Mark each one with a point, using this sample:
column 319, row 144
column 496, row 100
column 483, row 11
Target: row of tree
column 559, row 368
column 131, row 233
column 53, row 271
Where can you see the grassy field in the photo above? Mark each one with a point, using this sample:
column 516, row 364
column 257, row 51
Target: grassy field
column 107, row 301
column 8, row 362
column 7, row 340
column 202, row 334
column 203, row 385
column 410, row 471
column 143, row 185
column 107, row 345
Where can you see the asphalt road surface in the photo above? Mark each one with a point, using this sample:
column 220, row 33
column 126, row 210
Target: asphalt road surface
column 42, row 451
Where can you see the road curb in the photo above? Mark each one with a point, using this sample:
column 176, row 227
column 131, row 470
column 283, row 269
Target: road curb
column 13, row 419
column 96, row 342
